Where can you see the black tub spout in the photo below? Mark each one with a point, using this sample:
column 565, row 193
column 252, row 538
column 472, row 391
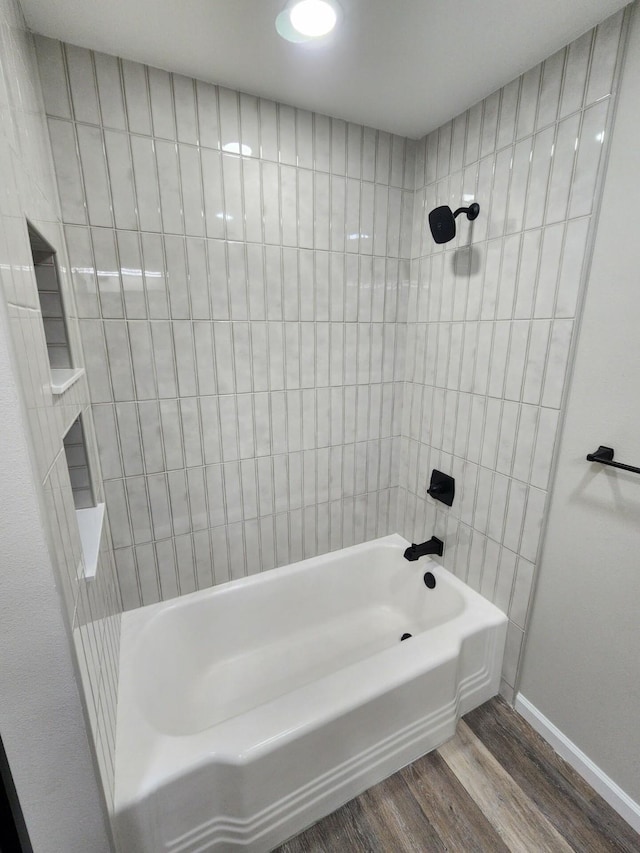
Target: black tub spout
column 432, row 546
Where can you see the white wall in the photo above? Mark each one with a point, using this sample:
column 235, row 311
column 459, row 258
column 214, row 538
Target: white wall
column 59, row 742
column 582, row 660
column 492, row 315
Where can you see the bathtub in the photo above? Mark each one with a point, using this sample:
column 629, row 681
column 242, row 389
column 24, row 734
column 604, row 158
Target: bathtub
column 248, row 711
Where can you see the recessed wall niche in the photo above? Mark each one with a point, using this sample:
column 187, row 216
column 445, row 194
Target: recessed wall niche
column 78, row 465
column 51, row 302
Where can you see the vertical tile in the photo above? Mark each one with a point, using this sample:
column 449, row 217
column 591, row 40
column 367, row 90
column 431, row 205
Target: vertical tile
column 155, row 279
column 592, row 134
column 161, row 97
column 212, row 190
column 233, row 209
column 53, row 77
column 191, row 183
column 338, row 147
column 557, row 360
column 169, row 180
column 489, row 124
column 508, row 112
column 562, row 170
column 575, row 74
column 550, row 89
column 268, row 130
column 543, row 149
column 304, row 139
column 82, row 84
column 131, row 274
column 251, row 192
column 207, row 106
column 110, row 92
column 121, row 180
column 185, row 107
column 136, row 97
column 94, row 171
column 571, row 270
column 229, row 127
column 528, row 103
column 146, row 181
column 603, row 60
column 474, row 121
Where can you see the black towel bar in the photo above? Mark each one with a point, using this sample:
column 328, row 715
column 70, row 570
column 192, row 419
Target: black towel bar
column 604, row 455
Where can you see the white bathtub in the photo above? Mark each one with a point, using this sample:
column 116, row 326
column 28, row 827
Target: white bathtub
column 248, row 711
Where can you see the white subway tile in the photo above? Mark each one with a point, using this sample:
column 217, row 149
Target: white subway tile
column 575, row 74
column 536, row 361
column 136, row 97
column 229, row 129
column 474, row 122
column 603, row 59
column 212, row 187
column 170, row 190
column 543, row 148
column 489, row 124
column 185, row 105
column 53, row 77
column 508, row 111
column 525, row 442
column 548, row 273
column 562, row 170
column 208, row 124
column 146, row 182
column 322, row 142
column 571, row 270
column 268, row 130
column 82, row 84
column 161, row 97
column 556, row 365
column 233, row 208
column 191, row 183
column 528, row 102
column 121, row 180
column 543, row 451
column 592, row 135
column 550, row 89
column 94, row 172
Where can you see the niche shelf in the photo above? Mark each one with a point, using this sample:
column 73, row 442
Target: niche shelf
column 89, row 514
column 63, row 373
column 62, row 378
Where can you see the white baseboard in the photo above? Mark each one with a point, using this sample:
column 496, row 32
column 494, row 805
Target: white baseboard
column 597, row 778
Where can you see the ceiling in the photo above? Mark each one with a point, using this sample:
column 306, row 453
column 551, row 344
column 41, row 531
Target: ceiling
column 406, row 66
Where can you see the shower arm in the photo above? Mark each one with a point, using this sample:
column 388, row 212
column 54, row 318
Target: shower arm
column 472, row 211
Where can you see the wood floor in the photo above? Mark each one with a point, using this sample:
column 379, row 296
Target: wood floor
column 497, row 786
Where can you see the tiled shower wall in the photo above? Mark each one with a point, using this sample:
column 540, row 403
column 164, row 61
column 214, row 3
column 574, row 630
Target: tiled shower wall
column 29, row 190
column 240, row 270
column 491, row 316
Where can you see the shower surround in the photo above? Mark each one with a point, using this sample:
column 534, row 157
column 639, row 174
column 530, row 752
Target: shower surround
column 241, row 317
column 277, row 351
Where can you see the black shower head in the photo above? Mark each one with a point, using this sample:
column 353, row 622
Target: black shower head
column 442, row 221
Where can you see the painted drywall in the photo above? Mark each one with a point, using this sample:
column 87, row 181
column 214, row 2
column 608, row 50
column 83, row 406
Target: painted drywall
column 239, row 315
column 581, row 659
column 46, row 724
column 491, row 316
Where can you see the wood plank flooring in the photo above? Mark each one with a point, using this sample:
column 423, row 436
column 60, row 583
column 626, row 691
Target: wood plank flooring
column 496, row 786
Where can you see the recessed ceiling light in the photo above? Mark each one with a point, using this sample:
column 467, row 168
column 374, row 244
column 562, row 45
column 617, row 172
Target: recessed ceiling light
column 313, row 18
column 306, row 20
